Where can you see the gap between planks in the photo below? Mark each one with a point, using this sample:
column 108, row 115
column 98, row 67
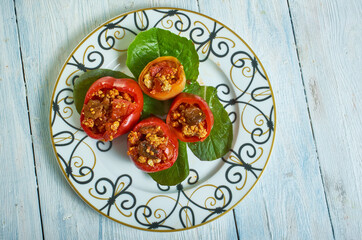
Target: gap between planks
column 27, row 106
column 267, row 216
column 236, row 225
column 310, row 119
column 198, row 9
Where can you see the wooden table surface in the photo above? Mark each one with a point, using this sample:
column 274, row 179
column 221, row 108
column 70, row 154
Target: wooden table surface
column 311, row 50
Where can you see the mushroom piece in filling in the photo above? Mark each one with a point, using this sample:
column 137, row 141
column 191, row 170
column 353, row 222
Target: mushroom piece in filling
column 148, row 145
column 190, row 120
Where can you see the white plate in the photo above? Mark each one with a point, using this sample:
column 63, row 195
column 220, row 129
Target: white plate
column 102, row 174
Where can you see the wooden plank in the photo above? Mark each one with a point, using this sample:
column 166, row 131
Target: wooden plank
column 19, row 212
column 288, row 202
column 49, row 31
column 328, row 36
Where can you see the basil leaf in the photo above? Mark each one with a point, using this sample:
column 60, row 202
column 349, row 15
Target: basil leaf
column 154, row 43
column 177, row 173
column 218, row 143
column 83, row 83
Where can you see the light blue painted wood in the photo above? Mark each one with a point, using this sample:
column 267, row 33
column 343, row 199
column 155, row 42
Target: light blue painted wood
column 290, row 202
column 19, row 211
column 49, row 31
column 328, row 35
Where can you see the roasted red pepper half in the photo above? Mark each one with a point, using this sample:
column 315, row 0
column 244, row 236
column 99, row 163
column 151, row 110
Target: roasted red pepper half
column 111, row 108
column 152, row 146
column 190, row 118
column 163, row 78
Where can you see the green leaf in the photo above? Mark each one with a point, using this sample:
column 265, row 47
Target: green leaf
column 177, row 173
column 83, row 83
column 218, row 143
column 154, row 43
column 193, row 87
column 156, row 107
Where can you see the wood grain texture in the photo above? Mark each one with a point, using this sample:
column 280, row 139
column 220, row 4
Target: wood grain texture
column 288, row 202
column 311, row 188
column 19, row 212
column 328, row 35
column 48, row 32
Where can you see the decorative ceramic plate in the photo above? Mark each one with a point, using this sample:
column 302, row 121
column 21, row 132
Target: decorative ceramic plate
column 102, row 174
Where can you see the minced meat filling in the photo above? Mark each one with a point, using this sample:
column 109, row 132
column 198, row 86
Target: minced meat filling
column 106, row 110
column 161, row 76
column 148, row 145
column 190, row 120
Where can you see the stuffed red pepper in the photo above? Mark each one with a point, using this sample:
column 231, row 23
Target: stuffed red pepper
column 190, row 118
column 152, row 146
column 111, row 108
column 163, row 78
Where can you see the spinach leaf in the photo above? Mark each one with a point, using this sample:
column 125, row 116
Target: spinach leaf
column 156, row 107
column 83, row 83
column 154, row 43
column 177, row 173
column 218, row 143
